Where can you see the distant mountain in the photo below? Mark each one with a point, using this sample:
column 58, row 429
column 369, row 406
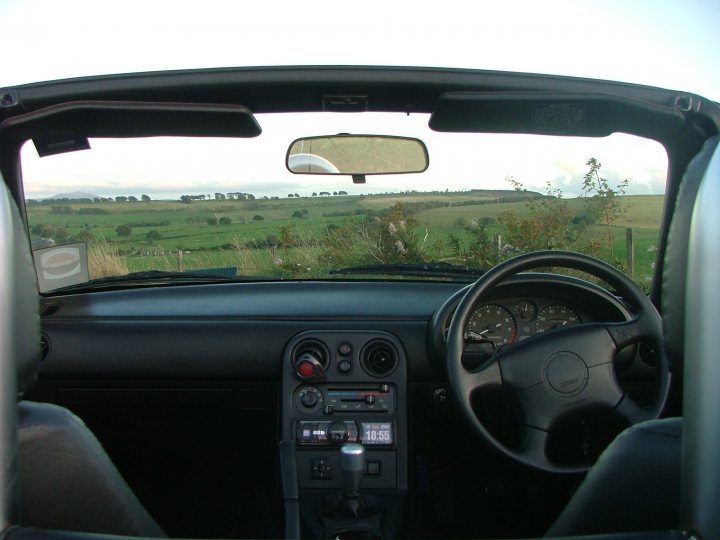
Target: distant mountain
column 74, row 195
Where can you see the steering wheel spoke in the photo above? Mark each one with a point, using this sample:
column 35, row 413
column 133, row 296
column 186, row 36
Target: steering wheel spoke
column 631, row 412
column 484, row 377
column 638, row 329
column 534, row 443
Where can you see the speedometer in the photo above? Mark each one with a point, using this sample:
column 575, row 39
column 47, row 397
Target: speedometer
column 556, row 316
column 491, row 322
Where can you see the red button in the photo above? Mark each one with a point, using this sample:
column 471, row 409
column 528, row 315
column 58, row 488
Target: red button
column 305, row 369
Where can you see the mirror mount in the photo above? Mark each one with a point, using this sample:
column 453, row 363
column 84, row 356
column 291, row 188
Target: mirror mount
column 358, row 178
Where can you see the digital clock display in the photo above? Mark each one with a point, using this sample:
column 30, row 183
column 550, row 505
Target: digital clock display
column 377, row 433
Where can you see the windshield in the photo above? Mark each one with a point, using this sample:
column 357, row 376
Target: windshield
column 231, row 209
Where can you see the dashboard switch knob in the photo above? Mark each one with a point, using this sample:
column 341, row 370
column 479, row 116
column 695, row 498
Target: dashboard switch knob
column 309, row 399
column 309, row 368
column 305, row 369
column 337, row 433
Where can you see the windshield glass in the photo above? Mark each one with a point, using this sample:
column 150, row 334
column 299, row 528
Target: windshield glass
column 231, row 208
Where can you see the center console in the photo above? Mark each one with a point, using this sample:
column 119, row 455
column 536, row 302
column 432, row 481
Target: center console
column 344, row 456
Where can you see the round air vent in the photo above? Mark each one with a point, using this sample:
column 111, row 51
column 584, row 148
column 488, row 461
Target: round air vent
column 310, row 360
column 379, row 358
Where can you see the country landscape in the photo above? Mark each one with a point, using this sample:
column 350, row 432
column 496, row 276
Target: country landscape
column 308, row 236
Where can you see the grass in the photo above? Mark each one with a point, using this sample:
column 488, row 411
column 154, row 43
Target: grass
column 244, row 243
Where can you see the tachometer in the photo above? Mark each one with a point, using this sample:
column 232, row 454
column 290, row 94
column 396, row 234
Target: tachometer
column 556, row 316
column 491, row 322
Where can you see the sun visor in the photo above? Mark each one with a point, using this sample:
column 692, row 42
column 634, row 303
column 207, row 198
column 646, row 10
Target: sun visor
column 552, row 114
column 66, row 127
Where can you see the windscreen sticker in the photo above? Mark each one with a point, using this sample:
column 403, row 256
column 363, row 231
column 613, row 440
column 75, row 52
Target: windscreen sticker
column 61, row 266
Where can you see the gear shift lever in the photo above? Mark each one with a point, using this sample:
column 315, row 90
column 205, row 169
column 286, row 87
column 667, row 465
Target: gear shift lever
column 350, row 512
column 352, row 464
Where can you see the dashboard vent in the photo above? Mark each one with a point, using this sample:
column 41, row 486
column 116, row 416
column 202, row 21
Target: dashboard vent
column 379, row 358
column 44, row 346
column 50, row 309
column 311, row 349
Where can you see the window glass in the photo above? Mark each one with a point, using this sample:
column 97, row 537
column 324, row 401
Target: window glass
column 230, row 205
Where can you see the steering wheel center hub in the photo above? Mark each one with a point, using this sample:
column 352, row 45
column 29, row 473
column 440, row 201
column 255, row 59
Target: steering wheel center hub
column 565, row 373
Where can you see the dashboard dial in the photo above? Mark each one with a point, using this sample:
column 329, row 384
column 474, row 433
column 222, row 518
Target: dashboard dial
column 491, row 322
column 556, row 316
column 526, row 310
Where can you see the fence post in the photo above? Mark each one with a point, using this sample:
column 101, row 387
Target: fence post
column 180, row 260
column 630, row 250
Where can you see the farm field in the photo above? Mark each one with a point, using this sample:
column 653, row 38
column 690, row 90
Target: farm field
column 300, row 237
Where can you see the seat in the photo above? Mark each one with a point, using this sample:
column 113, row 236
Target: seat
column 66, row 480
column 635, row 484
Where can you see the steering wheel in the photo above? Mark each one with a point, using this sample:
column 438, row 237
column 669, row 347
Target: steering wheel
column 557, row 374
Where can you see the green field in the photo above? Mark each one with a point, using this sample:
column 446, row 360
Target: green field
column 300, row 229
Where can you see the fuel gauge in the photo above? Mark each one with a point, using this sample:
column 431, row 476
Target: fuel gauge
column 526, row 310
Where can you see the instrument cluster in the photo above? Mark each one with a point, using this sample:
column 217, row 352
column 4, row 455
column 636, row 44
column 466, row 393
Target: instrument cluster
column 508, row 321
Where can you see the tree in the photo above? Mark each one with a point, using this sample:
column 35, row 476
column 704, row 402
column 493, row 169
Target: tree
column 601, row 200
column 342, row 192
column 187, row 199
column 258, row 217
column 43, row 230
column 314, row 194
column 212, row 220
column 225, row 221
column 145, row 197
column 124, row 230
column 61, row 234
column 153, row 235
column 550, row 225
column 219, row 197
column 121, row 198
column 132, row 198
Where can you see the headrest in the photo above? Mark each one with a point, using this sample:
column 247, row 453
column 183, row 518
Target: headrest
column 25, row 302
column 676, row 257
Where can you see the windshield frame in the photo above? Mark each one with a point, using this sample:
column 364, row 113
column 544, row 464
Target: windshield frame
column 420, row 83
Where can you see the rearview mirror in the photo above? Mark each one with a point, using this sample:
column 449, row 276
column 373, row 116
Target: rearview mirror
column 357, row 155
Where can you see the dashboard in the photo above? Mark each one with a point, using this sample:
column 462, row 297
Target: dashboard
column 220, row 363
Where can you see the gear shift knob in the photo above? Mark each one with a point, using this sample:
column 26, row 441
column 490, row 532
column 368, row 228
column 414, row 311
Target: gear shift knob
column 352, row 464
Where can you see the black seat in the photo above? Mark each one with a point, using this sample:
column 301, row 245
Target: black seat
column 635, row 484
column 66, row 480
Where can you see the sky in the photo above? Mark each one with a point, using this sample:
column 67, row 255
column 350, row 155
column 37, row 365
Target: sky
column 666, row 43
column 671, row 44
